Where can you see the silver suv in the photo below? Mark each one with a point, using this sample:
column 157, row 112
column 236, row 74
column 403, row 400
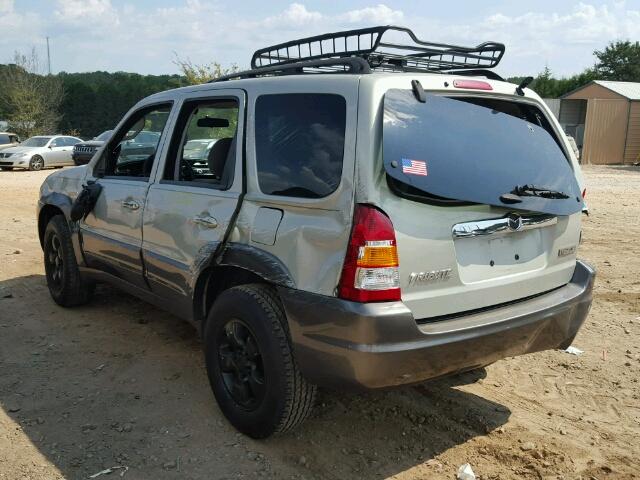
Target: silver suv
column 370, row 215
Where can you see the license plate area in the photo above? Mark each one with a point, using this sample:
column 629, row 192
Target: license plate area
column 499, row 255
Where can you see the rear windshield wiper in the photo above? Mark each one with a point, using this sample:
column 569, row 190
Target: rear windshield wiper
column 514, row 196
column 533, row 191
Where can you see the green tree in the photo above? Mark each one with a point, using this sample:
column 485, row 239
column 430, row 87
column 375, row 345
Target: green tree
column 195, row 74
column 29, row 101
column 96, row 101
column 619, row 61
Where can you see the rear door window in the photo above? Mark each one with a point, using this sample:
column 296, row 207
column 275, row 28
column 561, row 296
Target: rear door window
column 462, row 150
column 300, row 143
column 203, row 148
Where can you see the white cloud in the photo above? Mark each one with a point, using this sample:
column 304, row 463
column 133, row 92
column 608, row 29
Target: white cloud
column 297, row 14
column 105, row 35
column 6, row 6
column 378, row 15
column 92, row 11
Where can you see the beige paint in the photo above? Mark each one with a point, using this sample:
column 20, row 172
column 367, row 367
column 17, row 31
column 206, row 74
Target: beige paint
column 593, row 91
column 632, row 150
column 605, row 131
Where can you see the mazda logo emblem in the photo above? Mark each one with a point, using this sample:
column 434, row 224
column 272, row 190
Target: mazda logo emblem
column 515, row 222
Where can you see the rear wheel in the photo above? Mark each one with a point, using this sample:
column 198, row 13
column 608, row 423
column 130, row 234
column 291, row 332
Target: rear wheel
column 250, row 363
column 36, row 163
column 65, row 284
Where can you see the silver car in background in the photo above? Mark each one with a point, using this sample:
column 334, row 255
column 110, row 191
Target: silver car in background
column 39, row 152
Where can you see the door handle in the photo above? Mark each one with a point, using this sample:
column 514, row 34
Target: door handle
column 205, row 221
column 131, row 205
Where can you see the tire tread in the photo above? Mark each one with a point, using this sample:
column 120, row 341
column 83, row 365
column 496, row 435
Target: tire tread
column 300, row 394
column 76, row 291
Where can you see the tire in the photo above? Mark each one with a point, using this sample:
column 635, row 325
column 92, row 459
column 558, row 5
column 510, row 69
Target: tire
column 36, row 163
column 66, row 286
column 6, row 169
column 250, row 317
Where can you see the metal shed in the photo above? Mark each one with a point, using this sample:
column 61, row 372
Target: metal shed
column 604, row 119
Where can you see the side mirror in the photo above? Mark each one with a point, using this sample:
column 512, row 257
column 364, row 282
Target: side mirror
column 50, row 147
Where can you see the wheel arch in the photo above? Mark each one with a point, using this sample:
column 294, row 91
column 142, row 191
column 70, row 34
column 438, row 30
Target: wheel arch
column 238, row 264
column 53, row 203
column 47, row 212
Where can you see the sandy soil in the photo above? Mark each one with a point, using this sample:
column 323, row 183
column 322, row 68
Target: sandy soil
column 120, row 383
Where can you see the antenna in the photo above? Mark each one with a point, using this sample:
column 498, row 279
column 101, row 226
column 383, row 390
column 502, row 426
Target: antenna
column 48, row 57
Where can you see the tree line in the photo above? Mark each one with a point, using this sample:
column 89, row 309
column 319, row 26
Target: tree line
column 86, row 104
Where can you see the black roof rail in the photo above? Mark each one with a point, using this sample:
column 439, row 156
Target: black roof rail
column 364, row 50
column 346, row 65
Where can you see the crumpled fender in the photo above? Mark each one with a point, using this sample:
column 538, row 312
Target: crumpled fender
column 60, row 200
column 257, row 261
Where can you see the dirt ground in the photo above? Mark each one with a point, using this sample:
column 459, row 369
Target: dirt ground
column 120, row 383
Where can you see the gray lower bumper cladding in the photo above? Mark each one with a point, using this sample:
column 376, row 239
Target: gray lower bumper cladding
column 363, row 346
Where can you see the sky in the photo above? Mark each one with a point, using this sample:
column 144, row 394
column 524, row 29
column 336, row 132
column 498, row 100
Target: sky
column 144, row 36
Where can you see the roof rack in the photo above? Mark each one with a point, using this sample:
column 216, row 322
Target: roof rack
column 363, row 50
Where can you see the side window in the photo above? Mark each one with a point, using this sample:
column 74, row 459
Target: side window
column 58, row 142
column 202, row 150
column 300, row 144
column 133, row 148
column 70, row 141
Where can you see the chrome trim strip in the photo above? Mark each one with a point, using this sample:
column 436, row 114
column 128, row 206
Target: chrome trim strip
column 509, row 224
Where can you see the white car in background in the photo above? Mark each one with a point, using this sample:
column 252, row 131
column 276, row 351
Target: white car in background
column 39, row 152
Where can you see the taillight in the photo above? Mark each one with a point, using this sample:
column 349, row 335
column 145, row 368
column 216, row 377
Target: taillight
column 584, row 193
column 370, row 271
column 472, row 84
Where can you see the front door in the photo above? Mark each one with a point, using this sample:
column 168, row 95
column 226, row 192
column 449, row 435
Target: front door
column 191, row 204
column 112, row 232
column 56, row 153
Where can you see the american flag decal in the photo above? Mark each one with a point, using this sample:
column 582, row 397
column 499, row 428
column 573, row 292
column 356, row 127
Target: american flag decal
column 414, row 167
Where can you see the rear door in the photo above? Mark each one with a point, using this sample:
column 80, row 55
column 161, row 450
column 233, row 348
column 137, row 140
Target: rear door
column 189, row 208
column 68, row 143
column 112, row 232
column 467, row 237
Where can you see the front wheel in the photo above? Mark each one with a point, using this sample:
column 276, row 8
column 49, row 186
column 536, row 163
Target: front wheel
column 250, row 363
column 36, row 163
column 65, row 284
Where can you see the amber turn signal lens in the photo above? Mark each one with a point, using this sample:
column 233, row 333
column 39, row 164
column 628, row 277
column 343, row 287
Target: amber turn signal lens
column 385, row 255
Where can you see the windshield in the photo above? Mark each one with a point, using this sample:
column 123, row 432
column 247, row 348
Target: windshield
column 35, row 142
column 104, row 136
column 471, row 150
column 146, row 138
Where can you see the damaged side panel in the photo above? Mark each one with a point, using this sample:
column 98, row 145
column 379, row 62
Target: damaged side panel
column 258, row 261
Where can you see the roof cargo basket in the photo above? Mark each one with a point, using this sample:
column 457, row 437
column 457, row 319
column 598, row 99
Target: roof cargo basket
column 382, row 48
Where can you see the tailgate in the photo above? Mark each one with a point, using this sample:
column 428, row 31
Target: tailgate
column 484, row 201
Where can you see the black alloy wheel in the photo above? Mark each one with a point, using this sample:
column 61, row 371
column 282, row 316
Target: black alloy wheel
column 241, row 364
column 54, row 261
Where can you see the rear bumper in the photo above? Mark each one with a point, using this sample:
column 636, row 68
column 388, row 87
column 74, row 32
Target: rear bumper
column 345, row 344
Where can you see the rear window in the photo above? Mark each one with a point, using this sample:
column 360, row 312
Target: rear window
column 300, row 144
column 472, row 150
column 4, row 138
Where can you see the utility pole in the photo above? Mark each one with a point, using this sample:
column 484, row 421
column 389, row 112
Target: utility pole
column 48, row 57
